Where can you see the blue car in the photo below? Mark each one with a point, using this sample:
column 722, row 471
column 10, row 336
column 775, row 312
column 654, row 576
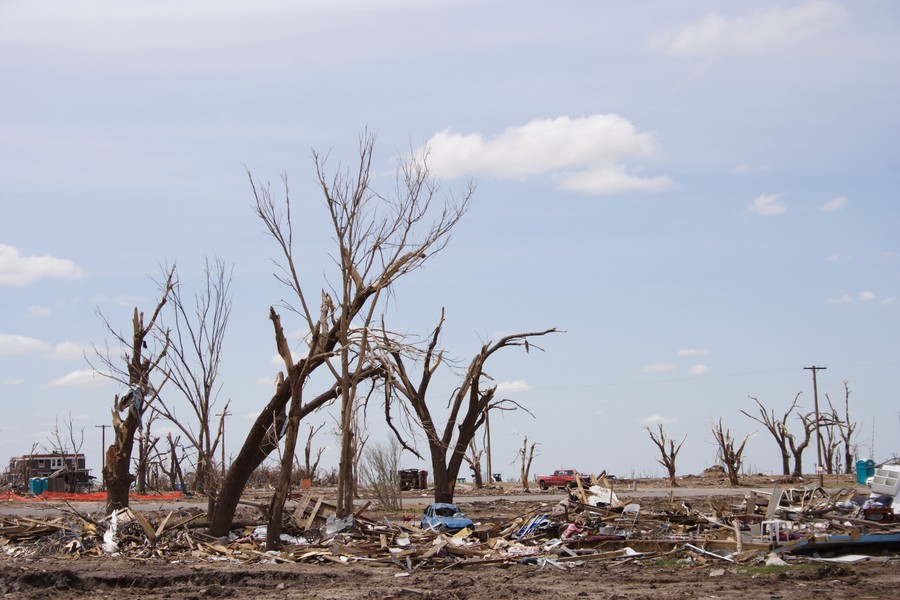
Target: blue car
column 444, row 517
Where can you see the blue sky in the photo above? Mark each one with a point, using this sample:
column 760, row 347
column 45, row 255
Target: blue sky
column 701, row 194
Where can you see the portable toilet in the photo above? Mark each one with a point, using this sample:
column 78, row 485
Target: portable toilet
column 34, row 486
column 861, row 472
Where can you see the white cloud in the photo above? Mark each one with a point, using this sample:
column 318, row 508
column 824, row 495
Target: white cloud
column 760, row 33
column 585, row 154
column 700, row 370
column 19, row 271
column 835, row 204
column 37, row 311
column 693, row 352
column 122, row 300
column 13, row 381
column 67, row 351
column 743, row 169
column 13, row 345
column 659, row 368
column 657, row 420
column 82, row 378
column 837, row 257
column 863, row 296
column 767, row 205
column 251, row 416
column 513, row 387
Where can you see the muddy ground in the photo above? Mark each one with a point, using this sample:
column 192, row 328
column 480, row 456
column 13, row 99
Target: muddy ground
column 186, row 577
column 98, row 577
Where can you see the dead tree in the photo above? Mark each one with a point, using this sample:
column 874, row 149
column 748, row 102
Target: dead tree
column 379, row 472
column 798, row 446
column 467, row 407
column 473, row 459
column 778, row 428
column 193, row 362
column 146, row 444
column 174, row 471
column 525, row 456
column 846, row 428
column 379, row 240
column 127, row 414
column 66, row 447
column 311, row 465
column 731, row 457
column 667, row 456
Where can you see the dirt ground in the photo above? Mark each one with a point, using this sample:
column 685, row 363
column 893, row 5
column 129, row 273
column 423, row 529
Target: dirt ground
column 100, row 577
column 188, row 577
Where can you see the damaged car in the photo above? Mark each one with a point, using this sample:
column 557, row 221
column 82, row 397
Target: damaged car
column 444, row 517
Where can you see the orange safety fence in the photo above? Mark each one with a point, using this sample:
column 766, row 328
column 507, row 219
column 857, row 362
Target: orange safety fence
column 85, row 497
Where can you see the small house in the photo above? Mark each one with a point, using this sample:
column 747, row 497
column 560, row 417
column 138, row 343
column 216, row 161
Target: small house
column 64, row 472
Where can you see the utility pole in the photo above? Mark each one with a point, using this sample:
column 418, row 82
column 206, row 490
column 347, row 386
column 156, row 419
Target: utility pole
column 487, row 431
column 819, row 467
column 222, row 416
column 103, row 454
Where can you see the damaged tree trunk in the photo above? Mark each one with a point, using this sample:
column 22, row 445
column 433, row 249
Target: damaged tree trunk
column 731, row 457
column 141, row 392
column 667, row 457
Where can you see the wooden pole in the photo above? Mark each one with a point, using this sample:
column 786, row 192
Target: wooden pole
column 818, row 425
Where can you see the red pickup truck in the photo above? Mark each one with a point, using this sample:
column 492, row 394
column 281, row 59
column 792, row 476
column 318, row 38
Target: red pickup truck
column 561, row 478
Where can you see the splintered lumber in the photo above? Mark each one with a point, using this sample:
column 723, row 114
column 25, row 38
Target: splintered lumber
column 313, row 514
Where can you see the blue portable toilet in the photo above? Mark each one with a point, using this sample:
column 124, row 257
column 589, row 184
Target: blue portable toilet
column 34, row 486
column 864, row 470
column 870, row 468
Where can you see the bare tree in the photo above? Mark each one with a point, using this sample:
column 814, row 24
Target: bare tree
column 846, row 427
column 379, row 471
column 141, row 363
column 174, row 471
column 379, row 240
column 146, row 444
column 311, row 464
column 467, row 407
column 668, row 451
column 473, row 459
column 525, row 456
column 798, row 446
column 67, row 444
column 195, row 356
column 777, row 427
column 731, row 457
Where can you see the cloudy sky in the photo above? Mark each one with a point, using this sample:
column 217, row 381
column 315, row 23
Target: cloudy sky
column 702, row 194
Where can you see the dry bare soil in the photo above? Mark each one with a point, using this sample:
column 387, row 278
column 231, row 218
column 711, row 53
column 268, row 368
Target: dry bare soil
column 62, row 576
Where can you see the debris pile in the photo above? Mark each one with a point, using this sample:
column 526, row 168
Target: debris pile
column 592, row 524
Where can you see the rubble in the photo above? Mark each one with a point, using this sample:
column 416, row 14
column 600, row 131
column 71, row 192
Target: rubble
column 593, row 524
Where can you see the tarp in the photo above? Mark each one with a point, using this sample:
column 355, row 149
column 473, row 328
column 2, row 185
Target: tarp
column 85, row 497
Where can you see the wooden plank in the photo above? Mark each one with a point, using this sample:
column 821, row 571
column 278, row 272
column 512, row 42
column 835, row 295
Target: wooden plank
column 313, row 513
